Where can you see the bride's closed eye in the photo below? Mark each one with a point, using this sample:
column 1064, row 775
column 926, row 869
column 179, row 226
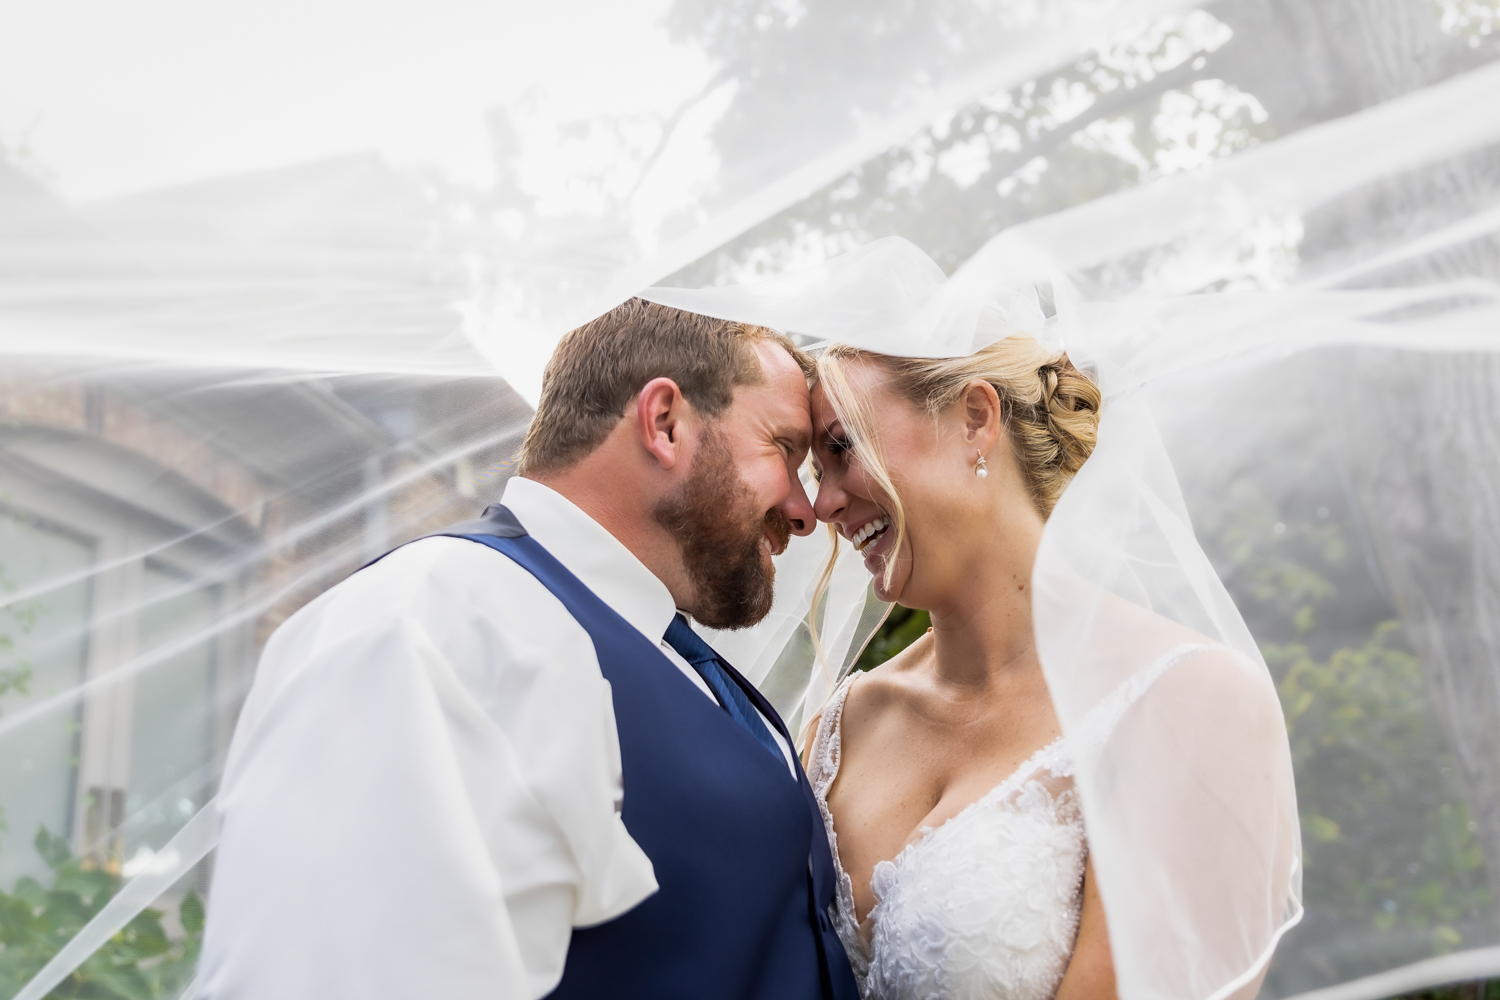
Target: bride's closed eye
column 834, row 442
column 834, row 447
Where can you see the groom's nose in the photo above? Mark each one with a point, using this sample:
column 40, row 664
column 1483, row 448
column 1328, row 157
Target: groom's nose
column 799, row 510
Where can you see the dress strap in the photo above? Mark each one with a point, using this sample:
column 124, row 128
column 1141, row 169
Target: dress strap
column 823, row 758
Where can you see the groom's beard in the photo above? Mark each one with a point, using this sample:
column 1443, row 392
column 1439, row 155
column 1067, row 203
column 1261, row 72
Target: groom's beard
column 719, row 530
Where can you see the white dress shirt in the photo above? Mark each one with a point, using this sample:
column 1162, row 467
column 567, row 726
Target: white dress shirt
column 423, row 794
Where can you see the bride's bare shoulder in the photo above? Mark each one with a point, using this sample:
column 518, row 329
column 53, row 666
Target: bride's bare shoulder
column 1142, row 628
column 888, row 684
column 1203, row 669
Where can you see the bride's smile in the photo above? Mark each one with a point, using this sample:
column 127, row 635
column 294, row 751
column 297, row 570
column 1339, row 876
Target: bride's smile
column 864, row 535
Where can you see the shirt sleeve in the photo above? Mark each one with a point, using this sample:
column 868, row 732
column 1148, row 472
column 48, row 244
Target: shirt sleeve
column 423, row 795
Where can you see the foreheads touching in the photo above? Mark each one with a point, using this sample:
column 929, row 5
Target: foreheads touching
column 693, row 424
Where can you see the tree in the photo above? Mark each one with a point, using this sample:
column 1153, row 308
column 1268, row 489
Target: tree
column 1241, row 71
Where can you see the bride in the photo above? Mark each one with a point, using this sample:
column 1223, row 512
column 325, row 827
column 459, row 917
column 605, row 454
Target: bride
column 1078, row 783
column 945, row 783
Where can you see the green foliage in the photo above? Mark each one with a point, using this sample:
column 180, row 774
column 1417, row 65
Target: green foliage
column 1286, row 577
column 1481, row 990
column 16, row 619
column 901, row 628
column 1393, row 870
column 141, row 962
column 1389, row 843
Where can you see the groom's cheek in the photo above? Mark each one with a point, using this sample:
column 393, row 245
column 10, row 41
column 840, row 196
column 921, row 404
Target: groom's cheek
column 766, row 486
column 760, row 472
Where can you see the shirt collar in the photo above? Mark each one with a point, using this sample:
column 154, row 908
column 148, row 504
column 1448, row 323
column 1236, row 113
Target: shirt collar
column 588, row 551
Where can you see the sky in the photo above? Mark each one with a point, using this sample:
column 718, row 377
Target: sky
column 111, row 98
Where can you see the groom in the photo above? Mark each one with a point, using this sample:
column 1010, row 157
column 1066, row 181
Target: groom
column 499, row 762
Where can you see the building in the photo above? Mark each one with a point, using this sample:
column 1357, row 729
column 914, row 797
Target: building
column 167, row 496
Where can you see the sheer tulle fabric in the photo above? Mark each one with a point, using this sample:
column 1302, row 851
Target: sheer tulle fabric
column 1188, row 791
column 219, row 398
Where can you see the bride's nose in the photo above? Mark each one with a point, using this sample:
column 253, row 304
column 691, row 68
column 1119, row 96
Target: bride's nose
column 831, row 501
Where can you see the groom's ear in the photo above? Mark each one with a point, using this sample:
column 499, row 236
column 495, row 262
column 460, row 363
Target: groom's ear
column 661, row 418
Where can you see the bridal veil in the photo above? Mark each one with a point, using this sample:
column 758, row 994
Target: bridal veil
column 1182, row 762
column 277, row 284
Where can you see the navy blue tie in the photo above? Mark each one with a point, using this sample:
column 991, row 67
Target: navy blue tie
column 681, row 637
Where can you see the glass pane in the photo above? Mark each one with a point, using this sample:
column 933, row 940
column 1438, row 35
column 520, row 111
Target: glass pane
column 172, row 744
column 44, row 616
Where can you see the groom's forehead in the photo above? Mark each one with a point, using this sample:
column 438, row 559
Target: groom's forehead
column 780, row 396
column 777, row 365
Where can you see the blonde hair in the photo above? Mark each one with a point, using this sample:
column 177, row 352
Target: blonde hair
column 1050, row 409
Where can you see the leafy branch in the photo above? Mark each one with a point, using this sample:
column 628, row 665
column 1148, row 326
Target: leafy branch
column 141, row 962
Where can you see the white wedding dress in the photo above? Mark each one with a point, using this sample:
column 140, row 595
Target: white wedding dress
column 985, row 905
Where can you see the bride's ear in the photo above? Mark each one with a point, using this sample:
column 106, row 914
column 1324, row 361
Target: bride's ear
column 983, row 416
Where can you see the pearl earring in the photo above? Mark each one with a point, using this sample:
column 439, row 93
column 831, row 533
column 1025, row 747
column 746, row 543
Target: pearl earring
column 980, row 469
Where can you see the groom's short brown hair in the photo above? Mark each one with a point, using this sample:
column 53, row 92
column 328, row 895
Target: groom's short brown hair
column 600, row 367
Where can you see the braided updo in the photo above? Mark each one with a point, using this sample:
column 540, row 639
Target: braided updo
column 1051, row 408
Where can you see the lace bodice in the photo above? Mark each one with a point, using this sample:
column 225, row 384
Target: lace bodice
column 984, row 905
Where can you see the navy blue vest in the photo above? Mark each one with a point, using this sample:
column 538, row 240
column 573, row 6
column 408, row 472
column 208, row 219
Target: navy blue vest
column 739, row 848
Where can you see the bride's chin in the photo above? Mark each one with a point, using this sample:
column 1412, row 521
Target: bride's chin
column 883, row 592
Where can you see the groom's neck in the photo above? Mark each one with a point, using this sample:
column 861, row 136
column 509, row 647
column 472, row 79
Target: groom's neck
column 608, row 489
